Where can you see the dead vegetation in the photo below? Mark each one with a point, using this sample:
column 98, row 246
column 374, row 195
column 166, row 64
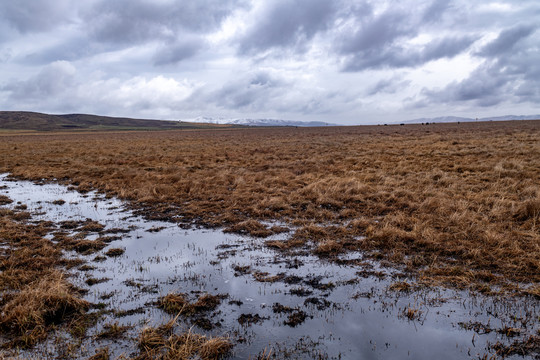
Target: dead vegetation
column 456, row 204
column 527, row 347
column 113, row 331
column 4, row 200
column 36, row 297
column 115, row 252
column 178, row 303
column 29, row 313
column 163, row 343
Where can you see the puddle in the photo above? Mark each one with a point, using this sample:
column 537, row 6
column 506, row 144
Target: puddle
column 301, row 307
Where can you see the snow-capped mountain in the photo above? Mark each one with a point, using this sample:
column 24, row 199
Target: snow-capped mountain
column 257, row 122
column 512, row 117
column 448, row 119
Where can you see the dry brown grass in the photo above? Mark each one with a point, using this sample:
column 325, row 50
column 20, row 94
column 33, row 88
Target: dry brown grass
column 113, row 331
column 451, row 202
column 115, row 252
column 177, row 303
column 162, row 343
column 35, row 295
column 101, row 354
column 29, row 313
column 5, row 200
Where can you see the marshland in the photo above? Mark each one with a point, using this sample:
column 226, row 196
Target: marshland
column 299, row 243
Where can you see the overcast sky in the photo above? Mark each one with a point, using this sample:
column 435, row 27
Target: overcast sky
column 341, row 61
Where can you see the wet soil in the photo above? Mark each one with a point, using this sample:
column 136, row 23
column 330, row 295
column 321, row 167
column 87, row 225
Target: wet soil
column 299, row 306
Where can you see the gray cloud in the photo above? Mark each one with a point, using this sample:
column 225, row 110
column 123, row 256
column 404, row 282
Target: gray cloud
column 378, row 40
column 396, row 56
column 436, row 10
column 445, row 48
column 52, row 80
column 290, row 57
column 388, row 86
column 375, row 32
column 170, row 54
column 175, row 28
column 28, row 16
column 287, row 23
column 135, row 21
column 528, row 92
column 485, row 86
column 70, row 50
column 506, row 40
column 510, row 73
column 252, row 91
column 267, row 92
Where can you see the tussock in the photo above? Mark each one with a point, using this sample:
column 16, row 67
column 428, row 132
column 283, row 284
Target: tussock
column 36, row 297
column 4, row 200
column 28, row 313
column 177, row 303
column 162, row 343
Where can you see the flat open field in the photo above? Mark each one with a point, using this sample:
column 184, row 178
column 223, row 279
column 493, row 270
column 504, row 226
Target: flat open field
column 453, row 206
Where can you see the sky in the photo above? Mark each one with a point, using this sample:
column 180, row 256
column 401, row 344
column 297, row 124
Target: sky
column 338, row 61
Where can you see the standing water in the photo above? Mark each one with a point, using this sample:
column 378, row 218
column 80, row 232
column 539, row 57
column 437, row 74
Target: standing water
column 298, row 306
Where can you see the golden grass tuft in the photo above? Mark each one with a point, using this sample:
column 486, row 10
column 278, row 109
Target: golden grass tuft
column 31, row 311
column 249, row 227
column 113, row 331
column 177, row 303
column 36, row 297
column 4, row 200
column 115, row 252
column 173, row 303
column 162, row 343
column 328, row 248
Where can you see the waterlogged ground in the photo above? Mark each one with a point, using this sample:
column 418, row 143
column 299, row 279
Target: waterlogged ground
column 298, row 307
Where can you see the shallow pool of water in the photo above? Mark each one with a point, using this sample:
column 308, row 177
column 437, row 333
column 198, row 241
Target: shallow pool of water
column 347, row 311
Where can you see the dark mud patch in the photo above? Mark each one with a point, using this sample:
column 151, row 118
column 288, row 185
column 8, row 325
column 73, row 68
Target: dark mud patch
column 250, row 319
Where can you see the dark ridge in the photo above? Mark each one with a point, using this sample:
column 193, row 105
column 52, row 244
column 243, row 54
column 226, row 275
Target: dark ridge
column 24, row 120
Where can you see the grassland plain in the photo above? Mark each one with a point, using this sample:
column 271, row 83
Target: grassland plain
column 457, row 204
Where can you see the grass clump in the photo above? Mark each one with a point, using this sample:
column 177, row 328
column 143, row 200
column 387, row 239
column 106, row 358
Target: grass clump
column 527, row 347
column 113, row 331
column 177, row 303
column 36, row 297
column 82, row 246
column 92, row 226
column 29, row 313
column 4, row 200
column 162, row 343
column 115, row 252
column 249, row 227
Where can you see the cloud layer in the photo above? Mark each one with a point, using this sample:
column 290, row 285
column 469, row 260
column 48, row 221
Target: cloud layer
column 334, row 60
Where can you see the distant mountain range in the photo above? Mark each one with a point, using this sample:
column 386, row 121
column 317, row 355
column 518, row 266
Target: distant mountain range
column 450, row 119
column 33, row 121
column 258, row 122
column 278, row 122
column 23, row 120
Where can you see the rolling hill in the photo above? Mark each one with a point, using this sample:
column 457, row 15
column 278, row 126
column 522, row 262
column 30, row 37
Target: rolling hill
column 23, row 120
